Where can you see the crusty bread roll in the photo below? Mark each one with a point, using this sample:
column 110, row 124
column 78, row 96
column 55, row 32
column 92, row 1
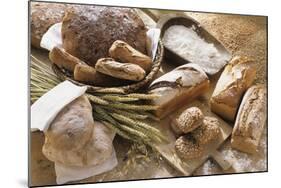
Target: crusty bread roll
column 73, row 139
column 87, row 74
column 188, row 120
column 250, row 120
column 208, row 131
column 178, row 87
column 187, row 148
column 125, row 53
column 63, row 59
column 126, row 71
column 44, row 15
column 88, row 31
column 236, row 78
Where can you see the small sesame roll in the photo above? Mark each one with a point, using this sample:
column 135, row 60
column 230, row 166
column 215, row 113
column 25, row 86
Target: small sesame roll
column 188, row 121
column 208, row 132
column 187, row 148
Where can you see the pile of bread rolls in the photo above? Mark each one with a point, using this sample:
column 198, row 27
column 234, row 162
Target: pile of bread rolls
column 194, row 132
column 125, row 64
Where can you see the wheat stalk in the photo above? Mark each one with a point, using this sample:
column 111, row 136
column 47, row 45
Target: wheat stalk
column 122, row 112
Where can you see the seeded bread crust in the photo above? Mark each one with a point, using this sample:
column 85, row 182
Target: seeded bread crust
column 208, row 131
column 187, row 148
column 189, row 120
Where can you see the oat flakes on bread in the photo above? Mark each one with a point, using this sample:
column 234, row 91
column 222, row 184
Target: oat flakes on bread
column 89, row 31
column 188, row 120
column 188, row 148
column 44, row 15
column 208, row 131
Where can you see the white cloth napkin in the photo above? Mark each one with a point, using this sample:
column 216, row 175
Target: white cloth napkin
column 52, row 37
column 46, row 108
column 72, row 173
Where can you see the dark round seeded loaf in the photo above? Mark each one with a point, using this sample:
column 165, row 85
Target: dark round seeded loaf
column 89, row 31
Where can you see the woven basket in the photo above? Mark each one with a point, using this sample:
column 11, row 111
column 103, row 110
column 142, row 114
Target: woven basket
column 120, row 89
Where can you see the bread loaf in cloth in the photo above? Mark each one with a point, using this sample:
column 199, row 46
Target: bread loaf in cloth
column 73, row 141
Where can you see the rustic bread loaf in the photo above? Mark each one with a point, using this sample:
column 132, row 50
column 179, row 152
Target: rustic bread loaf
column 44, row 15
column 71, row 130
column 73, row 139
column 236, row 78
column 250, row 121
column 89, row 31
column 126, row 71
column 178, row 87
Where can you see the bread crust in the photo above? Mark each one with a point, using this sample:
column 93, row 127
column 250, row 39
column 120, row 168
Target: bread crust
column 236, row 78
column 125, row 53
column 188, row 148
column 250, row 121
column 126, row 71
column 188, row 120
column 88, row 75
column 73, row 126
column 63, row 59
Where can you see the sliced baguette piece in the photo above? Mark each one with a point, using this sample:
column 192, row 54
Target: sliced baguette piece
column 178, row 87
column 250, row 121
column 236, row 78
column 125, row 53
column 63, row 59
column 126, row 71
